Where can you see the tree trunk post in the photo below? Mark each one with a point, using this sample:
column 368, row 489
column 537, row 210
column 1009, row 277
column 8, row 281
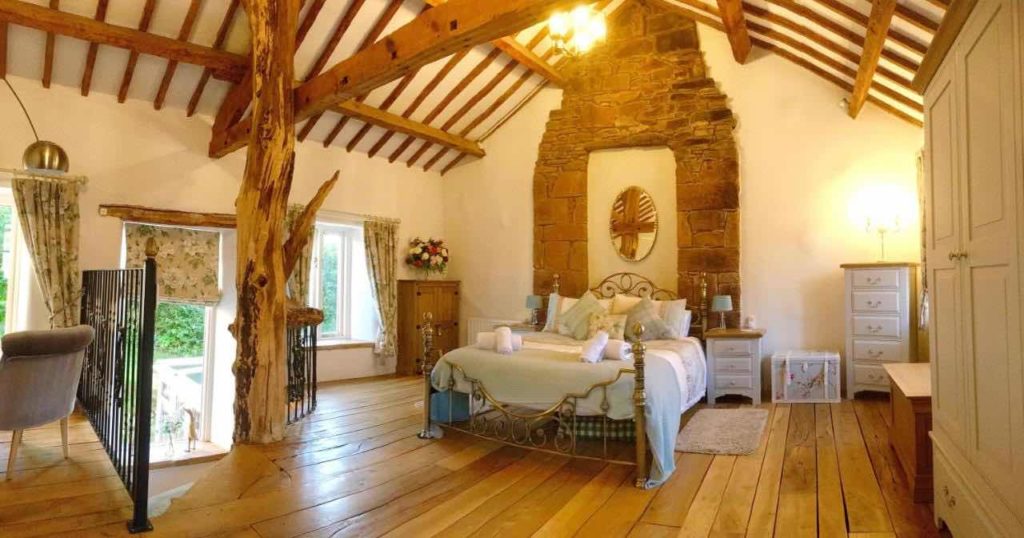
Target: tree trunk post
column 259, row 368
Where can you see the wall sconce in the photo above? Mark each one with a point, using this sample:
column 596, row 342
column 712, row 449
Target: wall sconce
column 576, row 32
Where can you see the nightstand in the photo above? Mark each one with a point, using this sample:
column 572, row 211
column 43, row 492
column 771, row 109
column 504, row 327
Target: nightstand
column 734, row 363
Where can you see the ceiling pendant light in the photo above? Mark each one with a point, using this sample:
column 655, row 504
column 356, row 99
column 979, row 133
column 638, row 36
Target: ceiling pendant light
column 41, row 155
column 575, row 32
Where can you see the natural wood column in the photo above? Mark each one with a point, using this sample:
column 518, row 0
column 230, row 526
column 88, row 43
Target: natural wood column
column 260, row 374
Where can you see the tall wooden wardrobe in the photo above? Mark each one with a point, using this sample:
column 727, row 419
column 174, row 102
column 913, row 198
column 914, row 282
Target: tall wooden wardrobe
column 415, row 298
column 974, row 216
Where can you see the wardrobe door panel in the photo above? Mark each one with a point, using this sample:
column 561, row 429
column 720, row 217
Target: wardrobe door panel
column 943, row 238
column 987, row 57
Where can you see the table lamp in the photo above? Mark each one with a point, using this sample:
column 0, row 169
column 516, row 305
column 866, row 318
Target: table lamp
column 721, row 304
column 534, row 303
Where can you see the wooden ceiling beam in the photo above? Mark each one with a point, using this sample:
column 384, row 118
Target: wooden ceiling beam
column 225, row 65
column 90, row 57
column 388, row 101
column 218, row 43
column 878, row 26
column 133, row 56
column 172, row 66
column 524, row 55
column 911, row 43
column 842, row 31
column 3, row 50
column 916, row 18
column 735, row 28
column 478, row 97
column 444, row 102
column 49, row 49
column 376, row 116
column 418, row 100
column 325, row 56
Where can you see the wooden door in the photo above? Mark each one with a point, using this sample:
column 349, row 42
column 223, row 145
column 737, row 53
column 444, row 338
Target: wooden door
column 942, row 227
column 986, row 57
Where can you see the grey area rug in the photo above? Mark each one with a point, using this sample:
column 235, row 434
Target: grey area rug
column 723, row 431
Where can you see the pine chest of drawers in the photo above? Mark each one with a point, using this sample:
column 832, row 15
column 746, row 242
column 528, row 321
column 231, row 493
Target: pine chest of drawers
column 881, row 322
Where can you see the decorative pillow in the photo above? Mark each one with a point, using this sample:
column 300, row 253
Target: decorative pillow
column 675, row 315
column 614, row 325
column 557, row 306
column 622, row 304
column 575, row 321
column 646, row 313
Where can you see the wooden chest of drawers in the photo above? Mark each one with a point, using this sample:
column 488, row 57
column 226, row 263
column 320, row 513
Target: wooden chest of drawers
column 881, row 322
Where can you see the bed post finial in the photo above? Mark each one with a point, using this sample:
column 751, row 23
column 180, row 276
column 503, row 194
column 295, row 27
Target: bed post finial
column 427, row 331
column 703, row 304
column 640, row 405
column 555, row 284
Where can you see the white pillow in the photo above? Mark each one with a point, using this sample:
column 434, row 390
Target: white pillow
column 677, row 317
column 606, row 304
column 622, row 304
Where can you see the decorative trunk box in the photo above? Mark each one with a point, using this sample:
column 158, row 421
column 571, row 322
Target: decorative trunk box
column 801, row 376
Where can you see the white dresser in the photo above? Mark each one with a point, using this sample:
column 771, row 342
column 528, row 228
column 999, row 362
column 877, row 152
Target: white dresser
column 881, row 322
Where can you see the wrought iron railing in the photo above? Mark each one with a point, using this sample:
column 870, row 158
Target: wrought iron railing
column 301, row 371
column 116, row 388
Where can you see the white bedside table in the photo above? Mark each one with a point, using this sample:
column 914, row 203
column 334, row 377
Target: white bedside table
column 734, row 363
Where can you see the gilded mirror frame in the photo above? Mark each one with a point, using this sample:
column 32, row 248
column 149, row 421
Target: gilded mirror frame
column 642, row 217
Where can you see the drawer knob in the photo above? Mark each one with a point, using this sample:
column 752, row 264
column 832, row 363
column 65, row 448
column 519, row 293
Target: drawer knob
column 875, row 353
column 872, row 328
column 874, row 304
column 874, row 280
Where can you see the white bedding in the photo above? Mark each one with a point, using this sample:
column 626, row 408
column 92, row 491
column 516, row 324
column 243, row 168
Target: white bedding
column 548, row 367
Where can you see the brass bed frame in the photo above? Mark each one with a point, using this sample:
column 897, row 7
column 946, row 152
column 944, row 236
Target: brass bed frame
column 555, row 428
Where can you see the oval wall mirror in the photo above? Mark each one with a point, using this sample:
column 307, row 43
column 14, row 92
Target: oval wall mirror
column 634, row 224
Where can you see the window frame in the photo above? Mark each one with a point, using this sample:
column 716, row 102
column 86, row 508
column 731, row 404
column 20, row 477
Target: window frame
column 14, row 315
column 348, row 234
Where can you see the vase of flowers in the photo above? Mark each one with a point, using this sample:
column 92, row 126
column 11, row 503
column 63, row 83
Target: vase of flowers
column 430, row 256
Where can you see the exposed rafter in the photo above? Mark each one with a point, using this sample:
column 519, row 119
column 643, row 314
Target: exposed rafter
column 90, row 58
column 48, row 54
column 218, row 43
column 224, row 64
column 397, row 123
column 878, row 26
column 439, row 32
column 3, row 50
column 133, row 56
column 172, row 65
column 735, row 28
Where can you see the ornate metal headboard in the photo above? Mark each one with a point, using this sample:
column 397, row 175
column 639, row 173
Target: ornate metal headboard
column 632, row 284
column 641, row 286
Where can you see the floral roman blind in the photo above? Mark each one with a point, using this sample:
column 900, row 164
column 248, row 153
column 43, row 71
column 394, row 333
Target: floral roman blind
column 187, row 261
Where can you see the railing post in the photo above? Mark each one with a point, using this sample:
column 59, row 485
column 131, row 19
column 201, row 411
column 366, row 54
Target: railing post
column 640, row 405
column 144, row 397
column 428, row 349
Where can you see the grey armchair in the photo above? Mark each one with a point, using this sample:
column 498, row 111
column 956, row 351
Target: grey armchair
column 39, row 374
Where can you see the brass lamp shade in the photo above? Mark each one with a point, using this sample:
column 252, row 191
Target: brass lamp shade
column 45, row 155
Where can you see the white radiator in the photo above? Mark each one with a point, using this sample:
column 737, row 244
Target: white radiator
column 483, row 325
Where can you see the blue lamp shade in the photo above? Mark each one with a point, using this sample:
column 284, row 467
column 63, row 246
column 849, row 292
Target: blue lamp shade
column 534, row 302
column 721, row 303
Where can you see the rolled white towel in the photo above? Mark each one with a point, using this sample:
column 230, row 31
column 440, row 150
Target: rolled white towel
column 593, row 349
column 503, row 340
column 618, row 350
column 488, row 340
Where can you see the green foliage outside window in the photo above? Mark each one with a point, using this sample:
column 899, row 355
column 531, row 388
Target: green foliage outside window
column 5, row 226
column 329, row 285
column 180, row 330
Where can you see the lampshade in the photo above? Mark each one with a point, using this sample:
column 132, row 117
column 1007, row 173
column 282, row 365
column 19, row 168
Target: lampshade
column 721, row 303
column 46, row 156
column 534, row 302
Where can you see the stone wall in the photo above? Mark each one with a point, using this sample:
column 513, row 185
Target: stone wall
column 645, row 86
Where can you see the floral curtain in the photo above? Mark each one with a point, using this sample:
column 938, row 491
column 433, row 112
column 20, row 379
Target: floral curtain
column 188, row 261
column 298, row 282
column 48, row 214
column 381, row 240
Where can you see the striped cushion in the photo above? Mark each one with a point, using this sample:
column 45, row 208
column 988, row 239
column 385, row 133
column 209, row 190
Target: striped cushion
column 575, row 321
column 646, row 314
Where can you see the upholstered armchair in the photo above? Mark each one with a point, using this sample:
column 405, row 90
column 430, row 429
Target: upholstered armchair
column 39, row 374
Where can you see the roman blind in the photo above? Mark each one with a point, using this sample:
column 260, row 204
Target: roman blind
column 188, row 261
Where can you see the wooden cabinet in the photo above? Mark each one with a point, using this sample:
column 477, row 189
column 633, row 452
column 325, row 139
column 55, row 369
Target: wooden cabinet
column 909, row 421
column 881, row 322
column 416, row 298
column 974, row 188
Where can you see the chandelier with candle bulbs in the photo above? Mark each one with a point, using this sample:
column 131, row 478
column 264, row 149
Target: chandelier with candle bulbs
column 575, row 32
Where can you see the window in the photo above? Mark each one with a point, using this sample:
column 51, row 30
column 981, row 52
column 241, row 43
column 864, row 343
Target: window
column 340, row 284
column 10, row 247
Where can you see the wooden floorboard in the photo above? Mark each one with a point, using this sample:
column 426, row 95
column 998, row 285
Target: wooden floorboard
column 355, row 468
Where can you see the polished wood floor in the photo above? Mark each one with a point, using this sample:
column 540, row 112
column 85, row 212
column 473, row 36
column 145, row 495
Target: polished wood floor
column 356, row 469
